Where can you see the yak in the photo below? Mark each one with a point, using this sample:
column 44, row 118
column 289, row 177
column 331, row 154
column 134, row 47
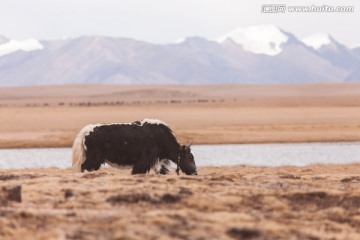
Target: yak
column 144, row 145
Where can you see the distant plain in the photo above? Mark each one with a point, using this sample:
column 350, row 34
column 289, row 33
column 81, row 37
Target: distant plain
column 50, row 116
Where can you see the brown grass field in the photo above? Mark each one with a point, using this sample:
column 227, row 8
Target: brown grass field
column 51, row 116
column 243, row 202
column 240, row 202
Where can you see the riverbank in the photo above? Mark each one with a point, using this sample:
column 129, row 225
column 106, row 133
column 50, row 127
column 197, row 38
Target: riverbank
column 51, row 116
column 240, row 202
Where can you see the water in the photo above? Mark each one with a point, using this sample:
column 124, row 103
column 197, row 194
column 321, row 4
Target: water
column 296, row 154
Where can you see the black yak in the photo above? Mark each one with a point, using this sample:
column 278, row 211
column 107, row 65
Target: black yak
column 144, row 145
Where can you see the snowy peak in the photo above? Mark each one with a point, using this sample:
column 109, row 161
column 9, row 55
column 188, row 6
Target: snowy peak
column 318, row 40
column 336, row 53
column 3, row 39
column 265, row 39
column 11, row 46
column 191, row 40
column 180, row 40
column 355, row 46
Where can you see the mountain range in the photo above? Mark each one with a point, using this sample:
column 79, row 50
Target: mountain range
column 252, row 55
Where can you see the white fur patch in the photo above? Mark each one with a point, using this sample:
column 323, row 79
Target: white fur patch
column 114, row 165
column 87, row 130
column 159, row 164
column 152, row 121
column 79, row 148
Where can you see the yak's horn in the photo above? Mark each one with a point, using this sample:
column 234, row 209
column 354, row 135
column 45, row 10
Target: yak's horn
column 189, row 143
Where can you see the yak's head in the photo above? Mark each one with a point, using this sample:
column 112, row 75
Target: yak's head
column 186, row 161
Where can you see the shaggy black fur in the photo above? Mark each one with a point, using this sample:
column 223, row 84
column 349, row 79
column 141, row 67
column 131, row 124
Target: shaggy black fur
column 140, row 146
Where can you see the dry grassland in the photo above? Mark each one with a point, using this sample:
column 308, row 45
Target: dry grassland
column 51, row 116
column 242, row 202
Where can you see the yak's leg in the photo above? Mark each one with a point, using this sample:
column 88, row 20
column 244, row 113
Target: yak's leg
column 147, row 160
column 161, row 166
column 141, row 167
column 157, row 166
column 164, row 166
column 144, row 165
column 92, row 163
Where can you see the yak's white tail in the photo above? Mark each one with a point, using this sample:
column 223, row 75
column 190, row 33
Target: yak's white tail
column 79, row 149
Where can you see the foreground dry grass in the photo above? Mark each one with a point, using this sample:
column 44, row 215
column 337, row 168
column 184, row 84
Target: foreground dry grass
column 242, row 202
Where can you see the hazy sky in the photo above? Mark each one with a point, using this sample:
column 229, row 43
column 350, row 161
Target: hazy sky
column 164, row 21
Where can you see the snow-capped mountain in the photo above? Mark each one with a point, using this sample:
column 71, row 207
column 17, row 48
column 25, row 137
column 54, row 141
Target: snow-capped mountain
column 9, row 46
column 336, row 53
column 318, row 40
column 3, row 39
column 356, row 50
column 265, row 39
column 257, row 55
